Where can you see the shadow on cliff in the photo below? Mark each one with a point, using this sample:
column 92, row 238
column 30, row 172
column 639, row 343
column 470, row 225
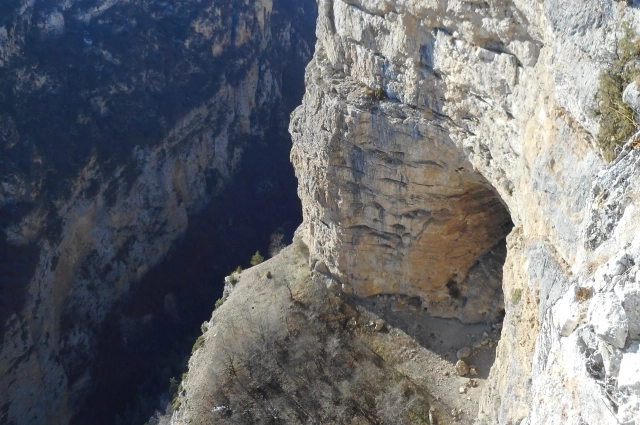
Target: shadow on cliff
column 442, row 337
column 146, row 340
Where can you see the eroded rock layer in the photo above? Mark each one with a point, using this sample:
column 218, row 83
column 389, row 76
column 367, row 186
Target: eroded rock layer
column 421, row 120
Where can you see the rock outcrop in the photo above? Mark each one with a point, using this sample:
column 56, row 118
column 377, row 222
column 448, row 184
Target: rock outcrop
column 429, row 126
column 117, row 120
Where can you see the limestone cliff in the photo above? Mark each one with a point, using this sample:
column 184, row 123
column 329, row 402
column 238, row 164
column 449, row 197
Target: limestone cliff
column 118, row 120
column 426, row 128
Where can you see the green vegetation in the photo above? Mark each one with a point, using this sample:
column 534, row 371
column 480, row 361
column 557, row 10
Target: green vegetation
column 269, row 275
column 219, row 302
column 199, row 342
column 257, row 259
column 617, row 119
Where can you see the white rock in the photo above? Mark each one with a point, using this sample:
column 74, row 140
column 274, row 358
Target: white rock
column 631, row 304
column 611, row 357
column 566, row 314
column 631, row 96
column 629, row 377
column 609, row 319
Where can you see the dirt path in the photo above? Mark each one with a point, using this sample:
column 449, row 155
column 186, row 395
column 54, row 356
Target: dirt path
column 425, row 350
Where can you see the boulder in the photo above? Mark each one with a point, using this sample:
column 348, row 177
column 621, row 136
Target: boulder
column 629, row 377
column 463, row 353
column 461, row 368
column 608, row 318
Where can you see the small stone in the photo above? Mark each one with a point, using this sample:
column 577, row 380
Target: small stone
column 462, row 390
column 473, row 371
column 463, row 353
column 461, row 368
column 484, row 334
column 432, row 416
column 347, row 289
column 321, row 268
column 472, row 383
column 566, row 315
column 446, row 373
column 379, row 325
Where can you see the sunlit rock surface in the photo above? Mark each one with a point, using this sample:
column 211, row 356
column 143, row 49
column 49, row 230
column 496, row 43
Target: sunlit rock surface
column 426, row 126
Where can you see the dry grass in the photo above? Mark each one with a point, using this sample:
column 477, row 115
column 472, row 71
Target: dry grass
column 284, row 349
column 617, row 120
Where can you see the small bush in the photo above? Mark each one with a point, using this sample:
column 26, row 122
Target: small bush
column 269, row 275
column 616, row 118
column 378, row 93
column 199, row 342
column 219, row 302
column 276, row 243
column 256, row 259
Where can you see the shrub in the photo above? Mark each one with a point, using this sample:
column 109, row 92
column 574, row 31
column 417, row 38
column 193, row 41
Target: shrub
column 616, row 118
column 257, row 259
column 276, row 243
column 378, row 93
column 219, row 302
column 199, row 343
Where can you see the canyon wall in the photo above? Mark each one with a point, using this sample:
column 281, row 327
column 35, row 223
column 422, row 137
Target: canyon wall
column 428, row 127
column 118, row 120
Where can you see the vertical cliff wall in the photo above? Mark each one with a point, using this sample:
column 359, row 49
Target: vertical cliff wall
column 426, row 128
column 118, row 120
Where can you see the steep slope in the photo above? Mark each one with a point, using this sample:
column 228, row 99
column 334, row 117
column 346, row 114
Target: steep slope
column 286, row 348
column 118, row 121
column 421, row 120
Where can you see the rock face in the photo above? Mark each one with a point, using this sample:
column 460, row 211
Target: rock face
column 426, row 128
column 117, row 121
column 386, row 193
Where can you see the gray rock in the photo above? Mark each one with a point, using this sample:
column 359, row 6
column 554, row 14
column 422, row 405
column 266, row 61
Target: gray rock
column 608, row 318
column 631, row 304
column 629, row 377
column 461, row 368
column 463, row 353
column 631, row 96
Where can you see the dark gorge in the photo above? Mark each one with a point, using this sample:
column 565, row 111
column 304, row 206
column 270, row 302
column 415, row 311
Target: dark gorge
column 144, row 155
